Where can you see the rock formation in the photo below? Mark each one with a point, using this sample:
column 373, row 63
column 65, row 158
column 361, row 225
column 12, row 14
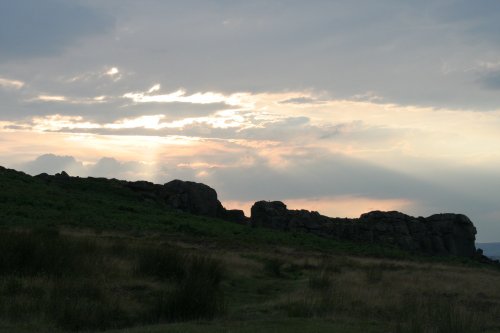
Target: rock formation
column 191, row 197
column 440, row 234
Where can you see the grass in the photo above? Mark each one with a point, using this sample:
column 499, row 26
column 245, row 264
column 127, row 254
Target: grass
column 73, row 283
column 150, row 283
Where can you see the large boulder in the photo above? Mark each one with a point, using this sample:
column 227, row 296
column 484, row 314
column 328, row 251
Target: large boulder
column 456, row 231
column 195, row 198
column 270, row 214
column 190, row 197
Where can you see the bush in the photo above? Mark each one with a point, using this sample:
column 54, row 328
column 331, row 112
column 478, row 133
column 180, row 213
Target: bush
column 440, row 316
column 196, row 296
column 161, row 262
column 61, row 282
column 320, row 281
column 41, row 253
column 310, row 305
column 273, row 267
column 82, row 305
column 374, row 274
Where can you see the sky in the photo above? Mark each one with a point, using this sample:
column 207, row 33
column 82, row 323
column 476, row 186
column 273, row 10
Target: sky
column 337, row 106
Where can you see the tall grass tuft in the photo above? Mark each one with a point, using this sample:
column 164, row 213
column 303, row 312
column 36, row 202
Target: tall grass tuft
column 84, row 305
column 161, row 262
column 439, row 316
column 197, row 295
column 307, row 304
column 321, row 281
column 374, row 274
column 41, row 252
column 63, row 281
column 273, row 267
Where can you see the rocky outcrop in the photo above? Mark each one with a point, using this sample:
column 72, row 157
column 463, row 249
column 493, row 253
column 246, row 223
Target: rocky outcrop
column 440, row 234
column 195, row 198
column 190, row 197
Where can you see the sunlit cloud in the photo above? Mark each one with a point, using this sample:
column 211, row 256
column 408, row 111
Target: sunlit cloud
column 358, row 128
column 58, row 122
column 200, row 165
column 51, row 98
column 11, row 84
column 154, row 88
column 182, row 97
column 113, row 71
column 149, row 122
column 70, row 100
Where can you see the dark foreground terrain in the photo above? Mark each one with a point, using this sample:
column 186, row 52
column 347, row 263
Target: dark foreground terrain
column 88, row 255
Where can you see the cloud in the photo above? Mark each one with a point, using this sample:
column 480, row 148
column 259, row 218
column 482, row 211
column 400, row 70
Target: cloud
column 92, row 77
column 112, row 168
column 51, row 98
column 104, row 167
column 11, row 84
column 344, row 49
column 50, row 163
column 113, row 71
column 181, row 97
column 32, row 28
column 301, row 100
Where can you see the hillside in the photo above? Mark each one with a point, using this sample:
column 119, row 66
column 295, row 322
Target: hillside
column 110, row 204
column 123, row 204
column 89, row 254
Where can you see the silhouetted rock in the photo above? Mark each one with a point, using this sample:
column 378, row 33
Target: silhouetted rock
column 271, row 214
column 440, row 234
column 190, row 197
column 195, row 198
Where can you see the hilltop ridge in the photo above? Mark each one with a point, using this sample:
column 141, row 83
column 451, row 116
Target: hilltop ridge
column 439, row 234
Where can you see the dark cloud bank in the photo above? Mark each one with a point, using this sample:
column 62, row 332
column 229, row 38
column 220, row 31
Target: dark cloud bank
column 34, row 28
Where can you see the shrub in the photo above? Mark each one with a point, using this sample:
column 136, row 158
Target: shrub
column 320, row 281
column 329, row 265
column 196, row 296
column 41, row 253
column 440, row 316
column 273, row 267
column 310, row 305
column 161, row 262
column 305, row 306
column 82, row 305
column 374, row 274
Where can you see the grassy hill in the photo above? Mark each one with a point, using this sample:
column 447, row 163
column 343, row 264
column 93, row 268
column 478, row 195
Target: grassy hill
column 90, row 255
